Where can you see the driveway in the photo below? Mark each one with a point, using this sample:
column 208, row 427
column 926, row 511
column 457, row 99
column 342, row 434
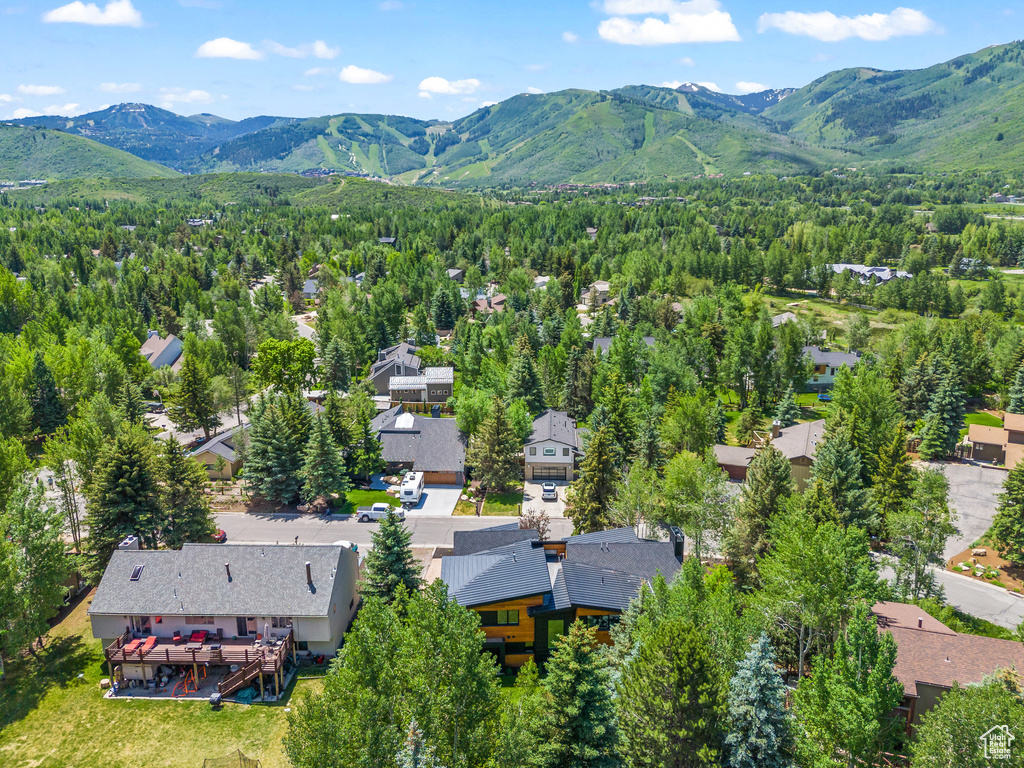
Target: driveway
column 436, row 501
column 972, row 493
column 532, row 499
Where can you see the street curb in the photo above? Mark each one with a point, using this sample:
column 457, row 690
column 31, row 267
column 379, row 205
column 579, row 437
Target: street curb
column 1003, row 590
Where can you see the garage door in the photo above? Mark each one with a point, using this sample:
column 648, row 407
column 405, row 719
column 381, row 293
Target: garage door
column 440, row 478
column 549, row 473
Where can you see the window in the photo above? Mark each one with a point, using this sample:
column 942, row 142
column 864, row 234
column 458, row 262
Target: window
column 499, row 618
column 137, row 572
column 565, row 451
column 549, row 451
column 533, row 451
column 603, row 623
column 281, row 622
column 199, row 620
column 433, row 392
column 833, row 372
column 512, row 649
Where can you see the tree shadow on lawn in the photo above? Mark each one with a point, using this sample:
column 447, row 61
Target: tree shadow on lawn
column 29, row 678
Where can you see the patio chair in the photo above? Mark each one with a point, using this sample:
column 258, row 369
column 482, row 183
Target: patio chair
column 178, row 639
column 148, row 646
column 132, row 646
column 199, row 636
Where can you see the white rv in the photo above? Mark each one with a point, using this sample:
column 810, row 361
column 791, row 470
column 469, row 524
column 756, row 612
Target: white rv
column 411, row 489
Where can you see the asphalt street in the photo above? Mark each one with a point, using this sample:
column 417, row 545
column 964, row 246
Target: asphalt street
column 994, row 604
column 972, row 493
column 310, row 529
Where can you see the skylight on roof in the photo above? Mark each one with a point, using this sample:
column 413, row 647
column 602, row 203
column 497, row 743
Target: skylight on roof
column 137, row 572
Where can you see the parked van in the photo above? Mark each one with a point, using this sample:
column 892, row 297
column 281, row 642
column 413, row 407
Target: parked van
column 411, row 489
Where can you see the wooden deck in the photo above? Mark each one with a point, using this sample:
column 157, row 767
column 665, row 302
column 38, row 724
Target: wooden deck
column 212, row 653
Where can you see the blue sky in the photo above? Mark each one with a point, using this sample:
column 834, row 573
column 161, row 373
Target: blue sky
column 429, row 59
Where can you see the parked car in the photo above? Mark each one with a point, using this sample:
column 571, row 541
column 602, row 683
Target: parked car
column 377, row 512
column 220, row 537
column 548, row 492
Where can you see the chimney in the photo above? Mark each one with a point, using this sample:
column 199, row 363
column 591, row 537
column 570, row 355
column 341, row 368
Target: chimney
column 130, row 543
column 776, row 426
column 920, row 623
column 309, row 574
column 380, row 357
column 151, row 333
column 227, row 567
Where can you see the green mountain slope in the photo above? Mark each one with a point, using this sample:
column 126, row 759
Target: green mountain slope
column 967, row 113
column 38, row 153
column 572, row 135
column 153, row 133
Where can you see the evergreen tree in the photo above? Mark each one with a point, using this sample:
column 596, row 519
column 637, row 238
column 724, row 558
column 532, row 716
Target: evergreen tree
column 916, row 390
column 132, row 406
column 577, row 399
column 423, row 332
column 48, row 412
column 442, row 309
column 323, row 472
column 336, row 371
column 193, row 405
column 277, row 444
column 788, row 412
column 1017, row 392
column 1008, row 525
column 837, row 467
column 518, row 738
column 337, row 419
column 760, row 734
column 768, row 487
column 891, row 484
column 123, row 496
column 672, row 701
column 415, row 753
column 365, row 453
column 186, row 512
column 390, row 563
column 618, row 411
column 581, row 722
column 494, row 450
column 590, row 494
column 748, row 425
column 523, row 381
column 945, row 417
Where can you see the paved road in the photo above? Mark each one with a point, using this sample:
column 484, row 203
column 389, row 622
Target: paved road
column 305, row 331
column 994, row 604
column 972, row 493
column 426, row 531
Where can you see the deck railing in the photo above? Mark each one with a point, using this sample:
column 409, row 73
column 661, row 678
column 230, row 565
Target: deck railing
column 216, row 652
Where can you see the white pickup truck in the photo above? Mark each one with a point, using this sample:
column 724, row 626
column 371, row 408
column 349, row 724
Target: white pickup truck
column 378, row 512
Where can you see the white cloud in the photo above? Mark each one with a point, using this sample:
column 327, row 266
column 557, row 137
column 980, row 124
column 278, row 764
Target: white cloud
column 360, row 76
column 318, row 72
column 485, row 104
column 671, row 84
column 744, row 86
column 711, row 86
column 449, row 87
column 40, row 90
column 826, row 26
column 696, row 21
column 424, row 95
column 534, row 90
column 61, row 109
column 318, row 49
column 22, row 113
column 226, row 48
column 169, row 97
column 119, row 13
column 570, row 37
column 686, row 61
column 120, row 87
column 6, row 98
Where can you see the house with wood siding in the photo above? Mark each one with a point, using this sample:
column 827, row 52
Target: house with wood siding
column 529, row 592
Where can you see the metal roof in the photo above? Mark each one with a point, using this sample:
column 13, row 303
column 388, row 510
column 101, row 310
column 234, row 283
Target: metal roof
column 515, row 571
column 645, row 559
column 472, row 542
column 593, row 587
column 266, row 580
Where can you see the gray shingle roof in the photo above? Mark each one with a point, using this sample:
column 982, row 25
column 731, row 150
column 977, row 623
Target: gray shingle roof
column 734, row 456
column 265, row 581
column 515, row 571
column 403, row 353
column 800, row 440
column 222, row 445
column 432, row 445
column 604, row 343
column 831, row 358
column 471, row 542
column 556, row 426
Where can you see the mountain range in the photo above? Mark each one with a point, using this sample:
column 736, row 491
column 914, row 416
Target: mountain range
column 959, row 115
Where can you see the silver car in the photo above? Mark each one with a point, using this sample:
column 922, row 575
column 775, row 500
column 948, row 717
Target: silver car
column 548, row 492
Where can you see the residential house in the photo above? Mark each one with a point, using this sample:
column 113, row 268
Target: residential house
column 392, row 241
column 399, row 360
column 596, row 294
column 434, row 385
column 998, row 445
column 865, row 274
column 827, row 363
column 257, row 604
column 604, row 343
column 529, row 592
column 785, row 317
column 540, row 282
column 592, row 233
column 488, row 304
column 798, row 443
column 552, row 449
column 310, row 289
column 161, row 351
column 432, row 446
column 931, row 657
column 221, row 451
column 455, row 275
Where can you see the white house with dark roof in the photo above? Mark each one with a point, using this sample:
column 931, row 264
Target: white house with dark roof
column 433, row 385
column 827, row 363
column 413, row 441
column 551, row 451
column 233, row 592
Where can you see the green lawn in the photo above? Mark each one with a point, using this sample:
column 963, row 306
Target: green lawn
column 503, row 504
column 982, row 418
column 464, row 508
column 50, row 720
column 367, row 498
